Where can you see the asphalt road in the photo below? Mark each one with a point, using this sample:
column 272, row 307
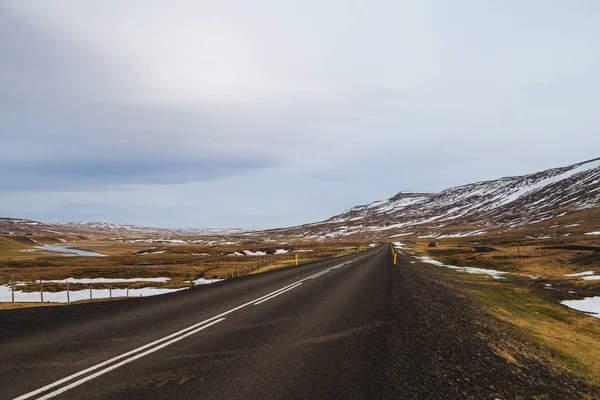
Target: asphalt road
column 354, row 327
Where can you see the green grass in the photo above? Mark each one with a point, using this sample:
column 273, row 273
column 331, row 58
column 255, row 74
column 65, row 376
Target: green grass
column 565, row 339
column 10, row 248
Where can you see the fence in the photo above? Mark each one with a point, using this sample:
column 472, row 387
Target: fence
column 11, row 292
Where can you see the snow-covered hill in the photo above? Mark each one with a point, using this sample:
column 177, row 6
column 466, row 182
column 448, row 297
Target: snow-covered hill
column 144, row 230
column 508, row 203
column 24, row 226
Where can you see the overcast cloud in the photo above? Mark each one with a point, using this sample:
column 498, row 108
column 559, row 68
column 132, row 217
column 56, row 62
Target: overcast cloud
column 273, row 113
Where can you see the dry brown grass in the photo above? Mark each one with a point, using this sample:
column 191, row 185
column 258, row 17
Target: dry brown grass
column 179, row 262
column 565, row 339
column 572, row 339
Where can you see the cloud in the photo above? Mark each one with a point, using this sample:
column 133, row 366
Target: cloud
column 271, row 113
column 105, row 175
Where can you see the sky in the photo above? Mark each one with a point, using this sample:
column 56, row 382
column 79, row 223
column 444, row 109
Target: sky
column 272, row 113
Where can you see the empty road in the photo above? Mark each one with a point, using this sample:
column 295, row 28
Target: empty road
column 354, row 327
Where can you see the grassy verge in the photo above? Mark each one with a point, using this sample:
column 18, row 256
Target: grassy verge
column 564, row 339
column 181, row 263
column 567, row 340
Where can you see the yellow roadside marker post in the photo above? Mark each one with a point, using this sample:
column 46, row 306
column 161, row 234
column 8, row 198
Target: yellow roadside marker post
column 394, row 258
column 296, row 259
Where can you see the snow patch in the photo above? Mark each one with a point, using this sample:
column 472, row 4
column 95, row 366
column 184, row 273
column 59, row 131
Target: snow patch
column 591, row 278
column 152, row 252
column 590, row 305
column 108, row 280
column 582, row 273
column 78, row 295
column 470, row 270
column 203, row 281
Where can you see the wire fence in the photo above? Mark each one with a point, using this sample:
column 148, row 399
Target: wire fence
column 40, row 291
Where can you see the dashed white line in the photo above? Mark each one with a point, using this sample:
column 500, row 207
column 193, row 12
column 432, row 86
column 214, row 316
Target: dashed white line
column 321, row 273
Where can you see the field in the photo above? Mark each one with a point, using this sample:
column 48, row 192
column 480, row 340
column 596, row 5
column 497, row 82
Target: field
column 528, row 298
column 132, row 264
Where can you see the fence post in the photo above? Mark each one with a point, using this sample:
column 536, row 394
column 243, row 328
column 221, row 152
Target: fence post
column 90, row 292
column 41, row 291
column 68, row 298
column 127, row 293
column 12, row 287
column 110, row 292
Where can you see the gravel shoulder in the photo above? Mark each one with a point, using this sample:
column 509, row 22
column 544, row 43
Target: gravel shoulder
column 446, row 345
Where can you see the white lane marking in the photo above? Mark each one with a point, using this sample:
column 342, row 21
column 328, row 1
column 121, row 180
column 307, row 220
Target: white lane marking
column 120, row 364
column 277, row 294
column 102, row 364
column 341, row 265
column 321, row 273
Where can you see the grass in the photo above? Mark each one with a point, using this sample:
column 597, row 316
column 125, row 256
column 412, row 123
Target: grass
column 179, row 262
column 566, row 340
column 10, row 248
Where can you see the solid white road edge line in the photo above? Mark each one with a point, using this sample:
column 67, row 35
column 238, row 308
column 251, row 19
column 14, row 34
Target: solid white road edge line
column 115, row 366
column 277, row 294
column 156, row 342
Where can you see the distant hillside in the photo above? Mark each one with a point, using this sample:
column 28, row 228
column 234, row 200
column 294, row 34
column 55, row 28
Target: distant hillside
column 24, row 226
column 569, row 196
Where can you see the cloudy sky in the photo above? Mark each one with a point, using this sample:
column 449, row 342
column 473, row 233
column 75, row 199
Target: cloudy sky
column 273, row 113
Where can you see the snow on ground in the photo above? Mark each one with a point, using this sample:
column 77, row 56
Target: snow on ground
column 461, row 234
column 589, row 305
column 398, row 245
column 203, row 281
column 452, row 235
column 592, row 233
column 77, row 295
column 176, row 241
column 108, row 280
column 281, row 251
column 591, row 278
column 254, row 253
column 532, row 276
column 152, row 252
column 582, row 273
column 172, row 241
column 237, row 253
column 303, row 251
column 470, row 270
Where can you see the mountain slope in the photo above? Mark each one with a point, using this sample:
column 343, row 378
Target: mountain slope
column 509, row 203
column 25, row 226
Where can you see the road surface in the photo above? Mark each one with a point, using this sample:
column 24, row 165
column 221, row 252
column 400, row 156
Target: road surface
column 354, row 327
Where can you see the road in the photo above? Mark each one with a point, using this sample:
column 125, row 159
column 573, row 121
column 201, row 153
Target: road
column 353, row 327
